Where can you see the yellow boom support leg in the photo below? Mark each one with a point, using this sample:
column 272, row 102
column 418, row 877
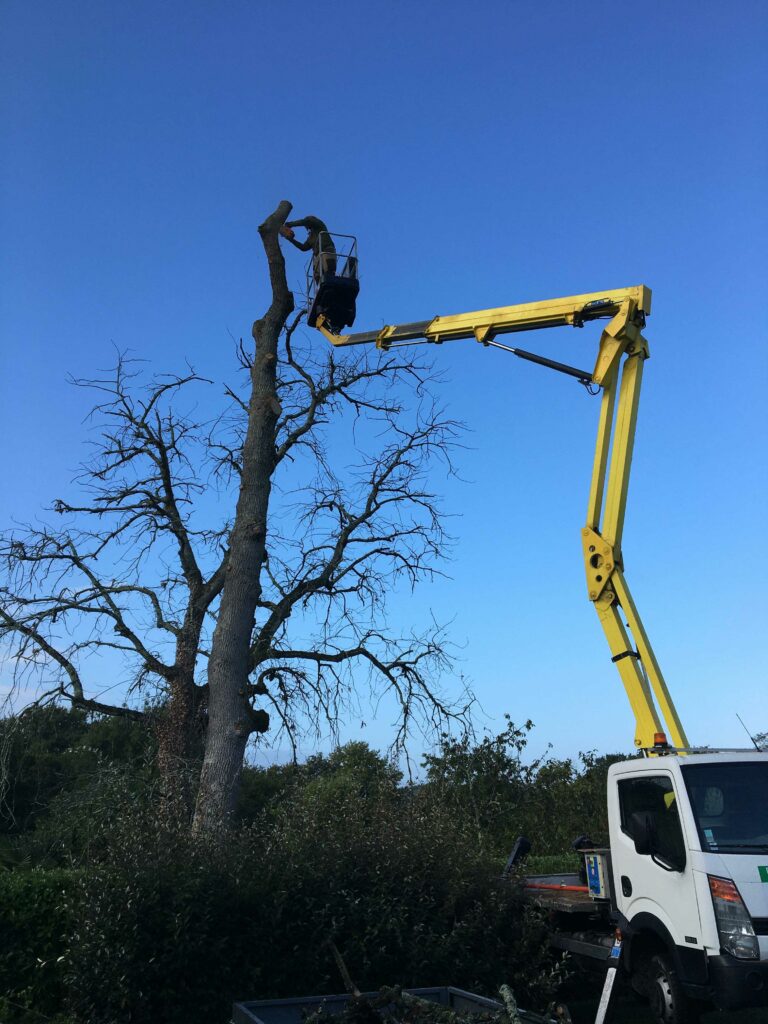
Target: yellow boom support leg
column 601, row 537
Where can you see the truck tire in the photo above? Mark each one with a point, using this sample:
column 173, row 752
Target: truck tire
column 669, row 1004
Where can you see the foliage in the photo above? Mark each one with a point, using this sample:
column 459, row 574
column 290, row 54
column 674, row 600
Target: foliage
column 147, row 924
column 409, row 896
column 484, row 778
column 36, row 910
column 165, row 932
column 353, row 768
column 51, row 749
column 549, row 800
column 152, row 925
column 63, row 773
column 81, row 825
column 553, row 863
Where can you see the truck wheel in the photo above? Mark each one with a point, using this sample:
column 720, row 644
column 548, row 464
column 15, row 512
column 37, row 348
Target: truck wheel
column 669, row 1004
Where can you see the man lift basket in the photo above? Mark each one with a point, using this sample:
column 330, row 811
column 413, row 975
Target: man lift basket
column 332, row 282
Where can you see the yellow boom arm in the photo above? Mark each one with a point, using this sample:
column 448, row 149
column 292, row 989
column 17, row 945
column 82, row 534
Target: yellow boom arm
column 618, row 371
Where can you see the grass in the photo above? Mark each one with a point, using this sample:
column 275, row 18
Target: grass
column 552, row 864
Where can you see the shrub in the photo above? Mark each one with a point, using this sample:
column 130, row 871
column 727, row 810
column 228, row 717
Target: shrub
column 153, row 925
column 174, row 930
column 549, row 800
column 37, row 909
column 51, row 750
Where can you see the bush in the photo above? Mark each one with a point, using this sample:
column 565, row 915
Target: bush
column 354, row 767
column 551, row 801
column 153, row 925
column 399, row 884
column 165, row 937
column 48, row 751
column 161, row 927
column 37, row 910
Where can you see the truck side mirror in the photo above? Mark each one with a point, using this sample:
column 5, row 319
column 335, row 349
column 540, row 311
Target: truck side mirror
column 642, row 829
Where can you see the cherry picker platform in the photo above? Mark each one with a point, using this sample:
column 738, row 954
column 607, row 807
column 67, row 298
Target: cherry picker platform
column 332, row 282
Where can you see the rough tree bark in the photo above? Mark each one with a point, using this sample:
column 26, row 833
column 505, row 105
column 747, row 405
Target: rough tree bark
column 231, row 716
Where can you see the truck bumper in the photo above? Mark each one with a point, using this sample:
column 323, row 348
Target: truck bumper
column 738, row 984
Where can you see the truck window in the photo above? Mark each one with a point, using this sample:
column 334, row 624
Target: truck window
column 729, row 805
column 655, row 794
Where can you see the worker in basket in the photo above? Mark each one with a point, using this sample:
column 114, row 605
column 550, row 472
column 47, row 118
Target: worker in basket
column 318, row 240
column 334, row 286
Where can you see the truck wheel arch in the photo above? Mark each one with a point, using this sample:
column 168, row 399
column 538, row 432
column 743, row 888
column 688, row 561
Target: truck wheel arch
column 646, row 935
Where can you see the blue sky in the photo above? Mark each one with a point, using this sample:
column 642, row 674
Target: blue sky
column 484, row 154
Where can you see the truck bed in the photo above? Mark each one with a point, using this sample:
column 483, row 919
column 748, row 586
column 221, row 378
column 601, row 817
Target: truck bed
column 560, row 892
column 591, row 935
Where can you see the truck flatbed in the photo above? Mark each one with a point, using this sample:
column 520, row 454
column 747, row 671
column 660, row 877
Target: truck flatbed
column 566, row 893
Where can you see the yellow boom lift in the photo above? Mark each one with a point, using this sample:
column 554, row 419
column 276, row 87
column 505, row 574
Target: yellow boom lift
column 618, row 373
column 676, row 900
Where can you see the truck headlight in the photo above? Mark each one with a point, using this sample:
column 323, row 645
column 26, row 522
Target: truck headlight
column 737, row 936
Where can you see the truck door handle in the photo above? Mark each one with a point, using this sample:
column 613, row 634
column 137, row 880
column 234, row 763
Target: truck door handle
column 626, row 886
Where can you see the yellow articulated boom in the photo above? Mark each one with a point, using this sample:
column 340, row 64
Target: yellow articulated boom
column 618, row 373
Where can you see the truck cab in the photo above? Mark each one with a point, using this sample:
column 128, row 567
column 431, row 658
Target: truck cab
column 689, row 872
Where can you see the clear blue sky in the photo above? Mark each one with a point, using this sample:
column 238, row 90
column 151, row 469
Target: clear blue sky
column 484, row 154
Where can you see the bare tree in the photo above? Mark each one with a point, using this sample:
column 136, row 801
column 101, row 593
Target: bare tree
column 122, row 585
column 222, row 620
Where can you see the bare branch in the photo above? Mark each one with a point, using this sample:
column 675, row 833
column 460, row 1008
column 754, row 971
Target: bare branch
column 75, row 693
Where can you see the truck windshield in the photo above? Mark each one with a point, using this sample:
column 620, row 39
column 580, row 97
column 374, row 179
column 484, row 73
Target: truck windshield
column 730, row 806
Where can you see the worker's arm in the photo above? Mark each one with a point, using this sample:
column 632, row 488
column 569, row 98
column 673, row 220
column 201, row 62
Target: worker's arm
column 305, row 246
column 287, row 232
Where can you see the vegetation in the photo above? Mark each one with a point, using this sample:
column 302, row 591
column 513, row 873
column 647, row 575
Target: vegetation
column 109, row 913
column 503, row 795
column 112, row 913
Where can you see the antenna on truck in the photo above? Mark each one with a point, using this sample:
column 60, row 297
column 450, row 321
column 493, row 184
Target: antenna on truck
column 746, row 730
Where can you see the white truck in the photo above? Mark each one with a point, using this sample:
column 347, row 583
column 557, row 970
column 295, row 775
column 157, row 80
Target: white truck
column 685, row 880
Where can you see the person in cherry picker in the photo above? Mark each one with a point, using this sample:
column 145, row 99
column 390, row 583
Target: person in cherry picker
column 334, row 293
column 318, row 241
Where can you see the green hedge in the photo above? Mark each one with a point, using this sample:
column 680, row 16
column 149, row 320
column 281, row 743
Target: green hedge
column 37, row 909
column 149, row 925
column 165, row 929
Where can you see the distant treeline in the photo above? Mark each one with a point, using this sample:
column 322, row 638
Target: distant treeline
column 57, row 767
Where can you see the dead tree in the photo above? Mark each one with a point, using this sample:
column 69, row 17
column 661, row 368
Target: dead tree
column 227, row 621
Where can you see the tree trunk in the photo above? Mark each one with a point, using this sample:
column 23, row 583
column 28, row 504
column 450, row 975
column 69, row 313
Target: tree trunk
column 178, row 725
column 176, row 730
column 230, row 717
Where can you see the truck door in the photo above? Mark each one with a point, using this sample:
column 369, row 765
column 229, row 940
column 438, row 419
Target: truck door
column 660, row 884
